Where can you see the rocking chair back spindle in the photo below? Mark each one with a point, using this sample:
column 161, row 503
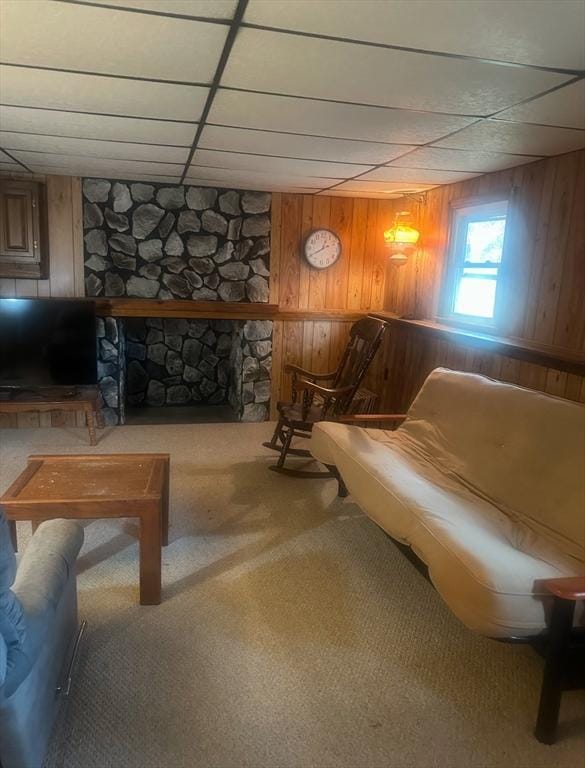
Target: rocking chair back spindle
column 324, row 396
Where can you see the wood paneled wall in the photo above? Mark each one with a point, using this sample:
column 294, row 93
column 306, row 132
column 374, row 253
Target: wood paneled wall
column 65, row 244
column 545, row 255
column 546, row 247
column 353, row 286
column 65, row 274
column 544, row 251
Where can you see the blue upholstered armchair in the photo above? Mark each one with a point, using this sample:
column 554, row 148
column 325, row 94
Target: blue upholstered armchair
column 38, row 627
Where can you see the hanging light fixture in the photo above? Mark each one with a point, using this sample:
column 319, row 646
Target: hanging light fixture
column 401, row 238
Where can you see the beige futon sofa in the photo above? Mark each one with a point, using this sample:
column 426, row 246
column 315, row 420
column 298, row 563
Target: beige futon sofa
column 485, row 482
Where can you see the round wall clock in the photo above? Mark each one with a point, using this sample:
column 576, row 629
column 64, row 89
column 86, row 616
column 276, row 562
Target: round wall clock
column 322, row 248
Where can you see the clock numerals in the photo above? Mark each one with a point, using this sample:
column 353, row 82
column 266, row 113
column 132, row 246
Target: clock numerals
column 322, row 248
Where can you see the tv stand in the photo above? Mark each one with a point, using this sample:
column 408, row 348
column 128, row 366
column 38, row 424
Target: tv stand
column 45, row 399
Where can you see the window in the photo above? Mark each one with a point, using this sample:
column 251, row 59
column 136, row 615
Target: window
column 474, row 271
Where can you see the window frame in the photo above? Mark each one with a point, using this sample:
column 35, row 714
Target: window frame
column 464, row 212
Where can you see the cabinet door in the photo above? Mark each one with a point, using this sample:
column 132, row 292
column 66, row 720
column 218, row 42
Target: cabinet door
column 22, row 246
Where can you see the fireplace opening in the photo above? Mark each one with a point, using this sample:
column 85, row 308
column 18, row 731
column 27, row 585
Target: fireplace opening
column 179, row 370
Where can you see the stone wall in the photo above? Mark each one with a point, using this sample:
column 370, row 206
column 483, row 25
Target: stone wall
column 111, row 368
column 250, row 368
column 178, row 362
column 175, row 242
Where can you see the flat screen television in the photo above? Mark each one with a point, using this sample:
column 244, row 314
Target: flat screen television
column 47, row 343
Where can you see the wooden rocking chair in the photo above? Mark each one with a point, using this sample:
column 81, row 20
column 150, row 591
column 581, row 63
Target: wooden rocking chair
column 323, row 396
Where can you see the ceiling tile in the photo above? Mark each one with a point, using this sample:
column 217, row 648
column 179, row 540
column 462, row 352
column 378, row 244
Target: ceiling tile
column 210, row 9
column 96, row 165
column 86, row 126
column 459, row 160
column 417, row 175
column 533, row 32
column 292, row 145
column 306, row 66
column 104, row 95
column 92, row 148
column 83, row 37
column 255, row 180
column 322, row 118
column 267, row 164
column 564, row 107
column 498, row 136
column 367, row 195
column 396, row 187
column 109, row 173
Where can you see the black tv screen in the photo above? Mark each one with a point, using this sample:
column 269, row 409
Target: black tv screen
column 47, row 342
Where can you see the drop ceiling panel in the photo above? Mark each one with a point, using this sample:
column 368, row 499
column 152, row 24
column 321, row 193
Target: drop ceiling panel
column 91, row 148
column 383, row 187
column 267, row 164
column 256, row 180
column 367, row 195
column 86, row 126
column 499, row 136
column 291, row 145
column 322, row 118
column 104, row 95
column 305, row 66
column 564, row 107
column 459, row 160
column 96, row 165
column 83, row 37
column 533, row 32
column 210, row 9
column 111, row 174
column 417, row 175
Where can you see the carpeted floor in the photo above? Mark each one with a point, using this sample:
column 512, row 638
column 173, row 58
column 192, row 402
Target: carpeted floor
column 292, row 632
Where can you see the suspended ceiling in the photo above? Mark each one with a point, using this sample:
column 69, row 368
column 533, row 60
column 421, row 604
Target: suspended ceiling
column 347, row 97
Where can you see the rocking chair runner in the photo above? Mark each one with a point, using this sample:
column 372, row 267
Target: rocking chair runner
column 313, row 401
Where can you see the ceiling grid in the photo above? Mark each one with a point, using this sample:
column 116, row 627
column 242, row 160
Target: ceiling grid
column 285, row 95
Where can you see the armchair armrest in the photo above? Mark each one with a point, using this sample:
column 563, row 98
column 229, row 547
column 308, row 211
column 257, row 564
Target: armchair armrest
column 357, row 417
column 569, row 588
column 292, row 368
column 46, row 566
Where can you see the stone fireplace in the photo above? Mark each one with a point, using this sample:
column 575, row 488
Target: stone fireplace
column 178, row 362
column 169, row 243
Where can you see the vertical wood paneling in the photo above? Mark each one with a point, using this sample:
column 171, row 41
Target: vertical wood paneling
column 65, row 230
column 275, row 247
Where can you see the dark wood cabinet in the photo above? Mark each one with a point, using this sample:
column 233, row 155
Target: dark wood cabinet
column 24, row 247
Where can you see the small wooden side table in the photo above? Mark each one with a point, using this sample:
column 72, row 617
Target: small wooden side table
column 565, row 660
column 85, row 399
column 100, row 486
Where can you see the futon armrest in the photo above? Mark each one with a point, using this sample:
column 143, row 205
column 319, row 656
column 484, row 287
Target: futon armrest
column 291, row 368
column 359, row 417
column 569, row 588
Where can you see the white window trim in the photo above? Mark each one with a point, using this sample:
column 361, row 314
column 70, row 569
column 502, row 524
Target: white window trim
column 462, row 212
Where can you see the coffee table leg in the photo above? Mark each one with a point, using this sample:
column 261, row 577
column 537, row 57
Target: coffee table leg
column 150, row 556
column 164, row 500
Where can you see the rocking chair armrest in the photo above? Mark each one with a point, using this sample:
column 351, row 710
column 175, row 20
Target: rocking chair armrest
column 356, row 417
column 296, row 369
column 319, row 389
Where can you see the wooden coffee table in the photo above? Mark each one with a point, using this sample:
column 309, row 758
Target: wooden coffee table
column 97, row 486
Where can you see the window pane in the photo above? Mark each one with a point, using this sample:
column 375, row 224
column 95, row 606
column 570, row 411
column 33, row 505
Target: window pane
column 475, row 297
column 485, row 240
column 490, row 271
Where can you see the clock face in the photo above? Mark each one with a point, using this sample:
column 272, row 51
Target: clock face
column 322, row 248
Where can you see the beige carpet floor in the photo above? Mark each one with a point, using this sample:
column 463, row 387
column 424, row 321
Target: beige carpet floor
column 292, row 632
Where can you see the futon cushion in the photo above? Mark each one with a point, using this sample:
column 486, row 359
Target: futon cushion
column 523, row 450
column 12, row 620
